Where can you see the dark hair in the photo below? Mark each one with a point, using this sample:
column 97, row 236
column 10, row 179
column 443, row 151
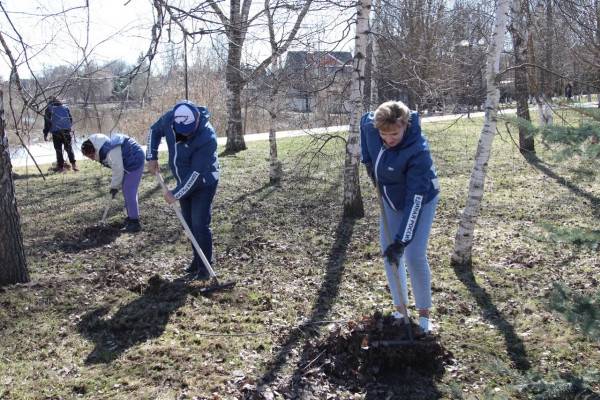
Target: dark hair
column 87, row 147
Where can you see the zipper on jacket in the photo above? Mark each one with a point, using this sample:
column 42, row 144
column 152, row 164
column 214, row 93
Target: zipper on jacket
column 388, row 198
column 175, row 157
column 377, row 178
column 381, row 150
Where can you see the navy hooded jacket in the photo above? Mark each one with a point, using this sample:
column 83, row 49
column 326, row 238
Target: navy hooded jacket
column 192, row 159
column 404, row 173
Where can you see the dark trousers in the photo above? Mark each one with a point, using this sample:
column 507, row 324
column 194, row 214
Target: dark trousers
column 60, row 139
column 196, row 209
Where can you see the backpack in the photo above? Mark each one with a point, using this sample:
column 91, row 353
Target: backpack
column 61, row 118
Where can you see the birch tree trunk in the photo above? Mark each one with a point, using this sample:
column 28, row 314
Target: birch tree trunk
column 13, row 267
column 275, row 169
column 376, row 25
column 518, row 30
column 548, row 84
column 463, row 244
column 275, row 105
column 353, row 205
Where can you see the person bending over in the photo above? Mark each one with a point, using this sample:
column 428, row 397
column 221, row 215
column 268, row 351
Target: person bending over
column 125, row 157
column 192, row 145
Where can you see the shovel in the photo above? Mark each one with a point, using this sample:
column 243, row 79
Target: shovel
column 399, row 276
column 214, row 282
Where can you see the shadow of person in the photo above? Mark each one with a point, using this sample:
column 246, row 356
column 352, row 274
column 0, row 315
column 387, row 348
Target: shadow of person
column 136, row 322
column 404, row 384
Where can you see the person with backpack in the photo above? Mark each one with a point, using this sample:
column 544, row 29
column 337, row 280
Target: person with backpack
column 192, row 145
column 399, row 163
column 125, row 157
column 58, row 121
column 569, row 91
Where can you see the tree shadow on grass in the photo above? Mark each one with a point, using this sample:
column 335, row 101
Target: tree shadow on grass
column 264, row 187
column 156, row 188
column 562, row 386
column 514, row 344
column 136, row 322
column 541, row 166
column 325, row 300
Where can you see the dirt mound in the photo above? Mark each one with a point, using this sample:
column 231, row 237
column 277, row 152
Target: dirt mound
column 88, row 238
column 377, row 346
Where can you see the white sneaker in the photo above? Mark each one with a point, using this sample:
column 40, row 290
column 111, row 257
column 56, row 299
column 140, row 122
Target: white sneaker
column 398, row 315
column 424, row 324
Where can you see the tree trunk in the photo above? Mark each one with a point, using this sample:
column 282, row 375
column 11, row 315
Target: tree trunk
column 275, row 105
column 236, row 27
column 548, row 82
column 374, row 54
column 518, row 30
column 275, row 170
column 463, row 244
column 13, row 266
column 233, row 76
column 234, row 80
column 353, row 205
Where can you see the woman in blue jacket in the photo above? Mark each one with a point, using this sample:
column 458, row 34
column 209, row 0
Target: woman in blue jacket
column 125, row 158
column 192, row 145
column 398, row 161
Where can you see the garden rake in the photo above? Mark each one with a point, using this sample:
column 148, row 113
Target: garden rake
column 105, row 213
column 399, row 276
column 214, row 282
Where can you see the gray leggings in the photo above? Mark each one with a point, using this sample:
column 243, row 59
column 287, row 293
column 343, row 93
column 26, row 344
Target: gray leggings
column 415, row 255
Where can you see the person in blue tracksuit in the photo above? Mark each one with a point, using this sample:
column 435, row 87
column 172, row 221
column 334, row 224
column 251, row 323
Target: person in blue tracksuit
column 125, row 157
column 398, row 161
column 58, row 122
column 192, row 145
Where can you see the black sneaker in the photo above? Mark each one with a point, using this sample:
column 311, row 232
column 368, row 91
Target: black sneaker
column 132, row 226
column 191, row 269
column 202, row 275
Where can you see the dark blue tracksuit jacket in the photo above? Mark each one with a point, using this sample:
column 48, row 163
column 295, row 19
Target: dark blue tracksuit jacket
column 405, row 173
column 193, row 161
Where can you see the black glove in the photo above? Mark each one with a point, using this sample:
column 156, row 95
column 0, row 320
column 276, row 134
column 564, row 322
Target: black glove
column 394, row 251
column 45, row 137
column 371, row 173
column 113, row 192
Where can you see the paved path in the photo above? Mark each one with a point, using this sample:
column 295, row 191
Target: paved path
column 44, row 152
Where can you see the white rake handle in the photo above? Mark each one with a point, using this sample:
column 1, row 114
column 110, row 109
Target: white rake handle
column 186, row 228
column 103, row 220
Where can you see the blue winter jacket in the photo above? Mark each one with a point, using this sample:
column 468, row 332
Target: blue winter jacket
column 193, row 160
column 57, row 118
column 404, row 173
column 132, row 152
